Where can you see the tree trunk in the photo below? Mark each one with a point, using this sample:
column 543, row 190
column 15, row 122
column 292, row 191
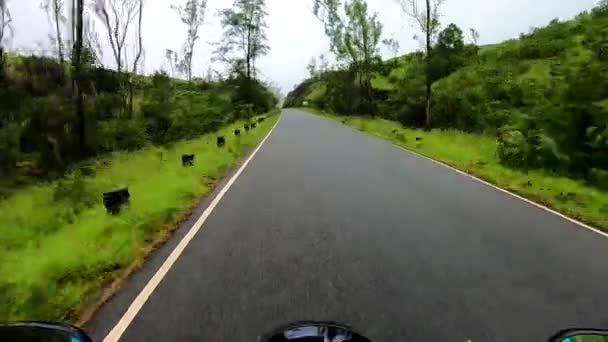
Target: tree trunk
column 1, row 64
column 131, row 90
column 77, row 81
column 427, row 123
column 58, row 30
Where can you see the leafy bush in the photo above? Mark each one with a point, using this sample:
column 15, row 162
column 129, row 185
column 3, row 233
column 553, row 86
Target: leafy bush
column 512, row 148
column 122, row 134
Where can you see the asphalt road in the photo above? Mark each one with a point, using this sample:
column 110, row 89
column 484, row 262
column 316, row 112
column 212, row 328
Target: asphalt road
column 327, row 223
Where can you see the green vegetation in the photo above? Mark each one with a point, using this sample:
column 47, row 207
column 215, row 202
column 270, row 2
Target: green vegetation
column 535, row 106
column 476, row 154
column 58, row 246
column 37, row 136
column 71, row 130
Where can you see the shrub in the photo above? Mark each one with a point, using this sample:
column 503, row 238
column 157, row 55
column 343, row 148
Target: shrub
column 512, row 148
column 122, row 134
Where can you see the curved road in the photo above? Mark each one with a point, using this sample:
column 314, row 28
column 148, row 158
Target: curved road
column 327, row 223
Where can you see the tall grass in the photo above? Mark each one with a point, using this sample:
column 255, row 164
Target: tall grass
column 475, row 154
column 58, row 246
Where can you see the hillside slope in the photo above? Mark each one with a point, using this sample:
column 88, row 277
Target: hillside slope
column 545, row 94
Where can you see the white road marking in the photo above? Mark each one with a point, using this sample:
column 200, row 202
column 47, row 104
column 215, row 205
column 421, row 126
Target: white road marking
column 540, row 206
column 147, row 291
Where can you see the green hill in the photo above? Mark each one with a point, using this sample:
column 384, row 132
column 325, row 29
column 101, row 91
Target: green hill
column 544, row 95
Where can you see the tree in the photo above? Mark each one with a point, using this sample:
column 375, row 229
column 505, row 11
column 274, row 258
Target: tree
column 448, row 53
column 78, row 30
column 193, row 15
column 138, row 54
column 117, row 16
column 173, row 60
column 474, row 36
column 354, row 37
column 244, row 39
column 322, row 64
column 55, row 10
column 312, row 68
column 427, row 18
column 392, row 45
column 5, row 27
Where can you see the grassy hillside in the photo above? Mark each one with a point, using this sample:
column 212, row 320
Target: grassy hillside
column 59, row 247
column 543, row 96
column 40, row 133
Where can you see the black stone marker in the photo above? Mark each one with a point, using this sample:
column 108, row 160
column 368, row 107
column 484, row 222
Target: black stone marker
column 253, row 125
column 116, row 200
column 418, row 139
column 188, row 160
column 237, row 132
column 221, row 141
column 260, row 120
column 246, row 127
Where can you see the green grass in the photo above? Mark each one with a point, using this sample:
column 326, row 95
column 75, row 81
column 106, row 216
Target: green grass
column 475, row 154
column 59, row 247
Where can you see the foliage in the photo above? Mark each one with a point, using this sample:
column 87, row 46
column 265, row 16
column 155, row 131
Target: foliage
column 354, row 35
column 244, row 39
column 193, row 16
column 58, row 246
column 427, row 18
column 545, row 94
column 38, row 122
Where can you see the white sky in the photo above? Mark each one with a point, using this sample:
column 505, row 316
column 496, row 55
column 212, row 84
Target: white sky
column 295, row 35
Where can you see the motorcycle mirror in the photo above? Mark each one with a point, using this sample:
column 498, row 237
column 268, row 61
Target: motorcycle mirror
column 40, row 331
column 581, row 335
column 313, row 332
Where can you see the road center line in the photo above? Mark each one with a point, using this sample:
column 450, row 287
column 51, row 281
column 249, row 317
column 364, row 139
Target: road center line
column 147, row 291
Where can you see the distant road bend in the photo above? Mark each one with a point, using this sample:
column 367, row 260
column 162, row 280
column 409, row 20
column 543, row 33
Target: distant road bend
column 326, row 223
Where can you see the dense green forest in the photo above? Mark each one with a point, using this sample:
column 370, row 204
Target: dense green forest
column 37, row 135
column 543, row 95
column 52, row 116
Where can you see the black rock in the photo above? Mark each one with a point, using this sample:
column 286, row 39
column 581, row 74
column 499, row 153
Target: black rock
column 221, row 141
column 188, row 160
column 116, row 200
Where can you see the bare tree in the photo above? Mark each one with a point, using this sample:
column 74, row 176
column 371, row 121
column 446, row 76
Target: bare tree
column 392, row 45
column 173, row 60
column 117, row 16
column 427, row 18
column 5, row 22
column 244, row 38
column 5, row 30
column 77, row 24
column 55, row 10
column 92, row 42
column 138, row 54
column 193, row 15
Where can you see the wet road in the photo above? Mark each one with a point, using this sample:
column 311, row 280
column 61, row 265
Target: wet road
column 327, row 223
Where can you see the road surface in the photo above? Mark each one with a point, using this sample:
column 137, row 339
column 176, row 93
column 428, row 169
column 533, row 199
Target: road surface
column 327, row 223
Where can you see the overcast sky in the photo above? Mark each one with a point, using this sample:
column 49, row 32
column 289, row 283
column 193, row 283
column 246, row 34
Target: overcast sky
column 295, row 35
